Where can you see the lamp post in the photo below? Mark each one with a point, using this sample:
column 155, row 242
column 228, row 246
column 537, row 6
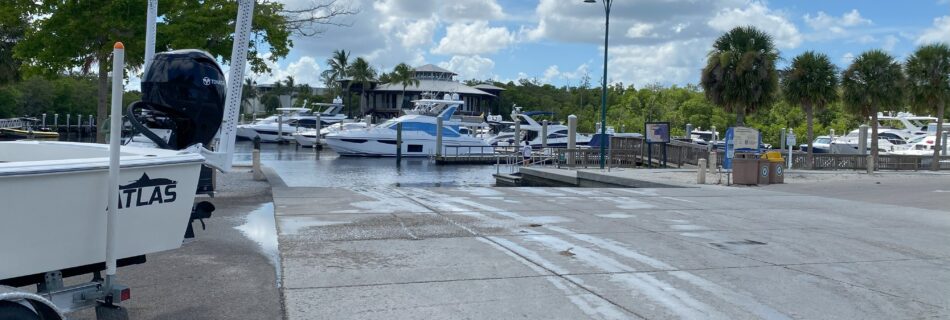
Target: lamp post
column 603, row 98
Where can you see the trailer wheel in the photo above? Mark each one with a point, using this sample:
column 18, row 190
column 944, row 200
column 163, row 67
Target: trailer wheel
column 15, row 311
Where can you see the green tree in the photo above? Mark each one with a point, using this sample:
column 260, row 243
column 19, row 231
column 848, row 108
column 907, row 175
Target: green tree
column 249, row 93
column 361, row 73
column 873, row 80
column 14, row 20
column 403, row 75
column 70, row 34
column 928, row 75
column 740, row 73
column 337, row 65
column 811, row 82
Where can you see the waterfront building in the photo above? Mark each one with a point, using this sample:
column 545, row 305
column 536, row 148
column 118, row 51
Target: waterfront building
column 386, row 100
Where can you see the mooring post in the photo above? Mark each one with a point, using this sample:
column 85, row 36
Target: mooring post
column 398, row 144
column 68, row 116
column 689, row 131
column 56, row 121
column 44, row 121
column 280, row 127
column 92, row 124
column 256, row 159
column 863, row 139
column 544, row 135
column 517, row 138
column 79, row 127
column 571, row 139
column 789, row 165
column 316, row 139
column 438, row 137
column 701, row 172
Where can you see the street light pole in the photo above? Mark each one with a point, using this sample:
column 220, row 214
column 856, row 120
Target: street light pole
column 603, row 98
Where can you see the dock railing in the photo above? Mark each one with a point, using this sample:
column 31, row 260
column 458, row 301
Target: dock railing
column 632, row 152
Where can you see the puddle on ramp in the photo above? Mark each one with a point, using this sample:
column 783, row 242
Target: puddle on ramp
column 260, row 227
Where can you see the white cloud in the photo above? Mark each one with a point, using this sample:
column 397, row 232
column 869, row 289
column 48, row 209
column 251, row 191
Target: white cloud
column 304, row 70
column 551, row 73
column 890, row 42
column 667, row 63
column 640, row 30
column 470, row 67
column 417, row 33
column 938, row 32
column 473, row 38
column 784, row 32
column 824, row 22
column 847, row 58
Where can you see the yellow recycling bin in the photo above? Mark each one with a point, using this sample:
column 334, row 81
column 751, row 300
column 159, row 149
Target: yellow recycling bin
column 776, row 166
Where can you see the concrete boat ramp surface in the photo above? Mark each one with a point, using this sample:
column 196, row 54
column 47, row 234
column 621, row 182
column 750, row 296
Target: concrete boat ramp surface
column 605, row 253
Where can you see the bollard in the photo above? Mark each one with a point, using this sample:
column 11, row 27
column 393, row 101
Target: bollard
column 943, row 143
column 713, row 160
column 438, row 137
column 544, row 135
column 571, row 139
column 701, row 172
column 398, row 144
column 92, row 124
column 44, row 121
column 715, row 136
column 870, row 162
column 789, row 165
column 56, row 121
column 863, row 139
column 256, row 159
column 689, row 131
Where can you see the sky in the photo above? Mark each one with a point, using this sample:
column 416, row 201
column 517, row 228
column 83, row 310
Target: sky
column 560, row 41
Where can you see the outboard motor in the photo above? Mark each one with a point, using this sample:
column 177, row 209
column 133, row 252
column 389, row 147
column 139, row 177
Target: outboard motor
column 182, row 91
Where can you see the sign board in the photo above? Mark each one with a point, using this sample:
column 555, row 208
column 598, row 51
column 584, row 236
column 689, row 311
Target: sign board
column 740, row 139
column 657, row 132
column 790, row 139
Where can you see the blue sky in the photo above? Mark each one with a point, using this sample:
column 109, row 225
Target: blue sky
column 559, row 41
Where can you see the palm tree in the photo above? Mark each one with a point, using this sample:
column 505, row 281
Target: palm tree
column 812, row 83
column 740, row 74
column 337, row 67
column 362, row 73
column 404, row 75
column 928, row 75
column 873, row 80
column 248, row 92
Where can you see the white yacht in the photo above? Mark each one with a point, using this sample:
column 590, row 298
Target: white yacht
column 531, row 131
column 418, row 134
column 309, row 137
column 294, row 120
column 332, row 113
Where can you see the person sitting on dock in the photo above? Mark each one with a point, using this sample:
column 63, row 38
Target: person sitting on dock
column 526, row 151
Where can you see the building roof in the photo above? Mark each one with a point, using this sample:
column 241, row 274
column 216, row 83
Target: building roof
column 432, row 68
column 426, row 85
column 486, row 86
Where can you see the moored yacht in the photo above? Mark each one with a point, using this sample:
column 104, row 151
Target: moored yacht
column 557, row 134
column 309, row 137
column 418, row 134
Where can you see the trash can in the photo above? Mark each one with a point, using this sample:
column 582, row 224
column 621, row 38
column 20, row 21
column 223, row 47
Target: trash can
column 776, row 167
column 764, row 171
column 745, row 169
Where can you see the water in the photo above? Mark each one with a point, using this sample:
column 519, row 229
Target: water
column 304, row 167
column 260, row 228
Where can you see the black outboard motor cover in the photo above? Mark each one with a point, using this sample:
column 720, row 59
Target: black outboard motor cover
column 188, row 87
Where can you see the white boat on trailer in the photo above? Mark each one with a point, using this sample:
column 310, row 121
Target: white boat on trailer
column 76, row 208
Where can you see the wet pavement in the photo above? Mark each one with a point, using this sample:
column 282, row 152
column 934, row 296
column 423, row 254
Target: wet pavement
column 378, row 252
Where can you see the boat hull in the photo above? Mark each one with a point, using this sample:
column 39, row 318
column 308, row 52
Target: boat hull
column 375, row 147
column 54, row 208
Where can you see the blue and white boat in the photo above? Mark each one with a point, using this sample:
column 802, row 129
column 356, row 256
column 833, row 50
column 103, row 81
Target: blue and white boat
column 418, row 134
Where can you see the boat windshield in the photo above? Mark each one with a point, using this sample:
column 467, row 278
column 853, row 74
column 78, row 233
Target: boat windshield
column 916, row 139
column 822, row 141
column 890, row 123
column 391, row 124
